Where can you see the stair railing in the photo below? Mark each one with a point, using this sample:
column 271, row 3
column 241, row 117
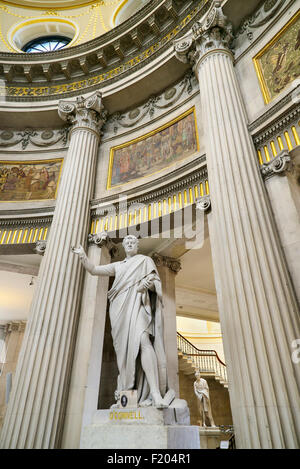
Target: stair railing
column 206, row 361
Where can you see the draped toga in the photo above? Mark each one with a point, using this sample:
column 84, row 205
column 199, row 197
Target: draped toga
column 133, row 312
column 202, row 392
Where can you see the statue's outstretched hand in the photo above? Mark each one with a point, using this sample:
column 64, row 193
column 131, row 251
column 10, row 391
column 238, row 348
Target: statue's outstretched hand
column 79, row 251
column 103, row 236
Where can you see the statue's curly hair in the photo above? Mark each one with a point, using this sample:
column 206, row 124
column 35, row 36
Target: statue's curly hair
column 130, row 236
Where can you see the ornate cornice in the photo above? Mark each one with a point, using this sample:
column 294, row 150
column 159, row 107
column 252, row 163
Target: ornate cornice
column 150, row 194
column 278, row 165
column 171, row 263
column 212, row 33
column 169, row 99
column 276, row 125
column 29, row 222
column 84, row 113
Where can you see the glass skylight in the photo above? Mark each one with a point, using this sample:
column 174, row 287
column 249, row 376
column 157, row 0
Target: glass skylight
column 46, row 44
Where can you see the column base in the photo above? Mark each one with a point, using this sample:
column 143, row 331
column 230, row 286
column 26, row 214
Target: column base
column 141, row 428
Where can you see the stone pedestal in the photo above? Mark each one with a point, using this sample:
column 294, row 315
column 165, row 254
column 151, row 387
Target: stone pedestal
column 210, row 437
column 142, row 428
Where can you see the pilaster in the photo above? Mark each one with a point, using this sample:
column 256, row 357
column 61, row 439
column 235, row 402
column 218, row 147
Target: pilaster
column 276, row 176
column 12, row 336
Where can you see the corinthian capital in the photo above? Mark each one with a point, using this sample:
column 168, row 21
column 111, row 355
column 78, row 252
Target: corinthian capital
column 203, row 203
column 173, row 264
column 102, row 239
column 85, row 113
column 212, row 32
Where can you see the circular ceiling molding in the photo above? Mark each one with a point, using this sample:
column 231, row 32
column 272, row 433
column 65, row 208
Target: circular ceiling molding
column 24, row 32
column 54, row 4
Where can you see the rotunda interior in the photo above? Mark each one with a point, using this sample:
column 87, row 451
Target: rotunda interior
column 176, row 121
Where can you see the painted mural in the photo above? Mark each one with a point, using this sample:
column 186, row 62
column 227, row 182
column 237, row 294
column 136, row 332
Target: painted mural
column 27, row 180
column 278, row 64
column 154, row 151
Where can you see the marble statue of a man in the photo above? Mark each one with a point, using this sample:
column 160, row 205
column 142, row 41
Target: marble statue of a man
column 202, row 392
column 136, row 321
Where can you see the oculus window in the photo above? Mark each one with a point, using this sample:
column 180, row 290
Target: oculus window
column 46, row 44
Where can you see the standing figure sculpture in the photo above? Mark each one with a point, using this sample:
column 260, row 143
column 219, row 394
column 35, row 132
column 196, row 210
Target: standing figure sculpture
column 204, row 406
column 136, row 324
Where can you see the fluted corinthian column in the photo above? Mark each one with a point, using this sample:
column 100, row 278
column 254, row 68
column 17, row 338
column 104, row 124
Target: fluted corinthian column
column 36, row 407
column 258, row 311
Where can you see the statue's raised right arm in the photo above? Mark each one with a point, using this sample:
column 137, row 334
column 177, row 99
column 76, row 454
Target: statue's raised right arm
column 108, row 269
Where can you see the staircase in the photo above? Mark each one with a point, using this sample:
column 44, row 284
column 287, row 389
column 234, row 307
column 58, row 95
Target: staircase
column 191, row 359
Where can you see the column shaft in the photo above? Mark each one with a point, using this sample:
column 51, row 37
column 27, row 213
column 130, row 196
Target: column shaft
column 86, row 368
column 258, row 310
column 36, row 407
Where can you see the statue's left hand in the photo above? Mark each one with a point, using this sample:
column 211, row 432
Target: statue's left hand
column 145, row 284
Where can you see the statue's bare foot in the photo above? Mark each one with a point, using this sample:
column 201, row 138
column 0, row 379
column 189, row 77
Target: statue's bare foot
column 158, row 401
column 146, row 403
column 169, row 397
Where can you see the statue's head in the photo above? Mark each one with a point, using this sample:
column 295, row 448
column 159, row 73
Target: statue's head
column 197, row 374
column 131, row 245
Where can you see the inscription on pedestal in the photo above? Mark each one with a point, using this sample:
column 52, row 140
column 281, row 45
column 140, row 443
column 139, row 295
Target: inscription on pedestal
column 126, row 415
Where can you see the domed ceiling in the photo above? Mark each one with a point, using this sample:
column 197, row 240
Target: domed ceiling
column 49, row 4
column 22, row 21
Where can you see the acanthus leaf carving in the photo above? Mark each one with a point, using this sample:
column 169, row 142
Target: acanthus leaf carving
column 40, row 247
column 102, row 239
column 213, row 32
column 173, row 264
column 203, row 203
column 88, row 113
column 278, row 165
